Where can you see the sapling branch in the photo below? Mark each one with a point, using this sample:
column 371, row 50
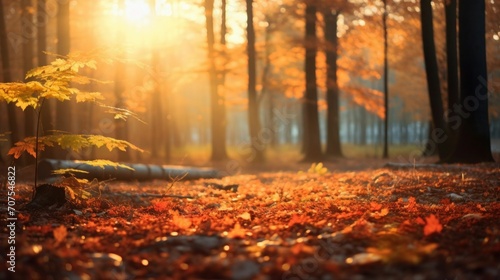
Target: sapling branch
column 37, row 132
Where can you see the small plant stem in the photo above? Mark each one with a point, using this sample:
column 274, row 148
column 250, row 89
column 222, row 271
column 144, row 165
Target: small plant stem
column 38, row 121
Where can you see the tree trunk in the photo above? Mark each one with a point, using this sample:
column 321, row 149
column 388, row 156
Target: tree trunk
column 312, row 147
column 474, row 132
column 218, row 121
column 266, row 91
column 385, row 153
column 121, row 131
column 439, row 135
column 160, row 120
column 4, row 50
column 47, row 121
column 63, row 109
column 333, row 147
column 27, row 48
column 451, row 53
column 253, row 111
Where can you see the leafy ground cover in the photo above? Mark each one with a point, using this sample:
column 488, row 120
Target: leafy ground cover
column 393, row 222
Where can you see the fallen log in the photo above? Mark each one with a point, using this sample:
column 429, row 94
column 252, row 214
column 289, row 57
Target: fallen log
column 141, row 172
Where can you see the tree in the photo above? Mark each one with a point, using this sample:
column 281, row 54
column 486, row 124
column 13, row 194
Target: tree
column 385, row 153
column 63, row 109
column 438, row 141
column 311, row 133
column 218, row 121
column 4, row 51
column 121, row 131
column 253, row 110
column 333, row 147
column 473, row 144
column 46, row 114
column 27, row 48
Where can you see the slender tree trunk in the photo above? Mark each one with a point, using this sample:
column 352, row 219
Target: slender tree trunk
column 121, row 130
column 451, row 52
column 218, row 122
column 385, row 153
column 333, row 147
column 452, row 64
column 253, row 111
column 64, row 116
column 4, row 50
column 266, row 91
column 63, row 48
column 160, row 120
column 474, row 132
column 312, row 148
column 47, row 120
column 439, row 135
column 29, row 31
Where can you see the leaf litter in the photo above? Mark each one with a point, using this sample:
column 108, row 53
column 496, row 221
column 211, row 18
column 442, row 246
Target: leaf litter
column 396, row 223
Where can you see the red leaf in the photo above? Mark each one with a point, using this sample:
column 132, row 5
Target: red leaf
column 432, row 225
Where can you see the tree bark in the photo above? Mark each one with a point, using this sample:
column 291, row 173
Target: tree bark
column 474, row 133
column 7, row 77
column 63, row 109
column 333, row 147
column 121, row 130
column 47, row 120
column 385, row 153
column 312, row 147
column 439, row 135
column 28, row 29
column 257, row 146
column 218, row 121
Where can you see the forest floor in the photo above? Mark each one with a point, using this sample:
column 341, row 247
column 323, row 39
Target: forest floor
column 360, row 220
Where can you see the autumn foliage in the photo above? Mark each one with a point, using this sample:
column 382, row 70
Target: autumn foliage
column 435, row 222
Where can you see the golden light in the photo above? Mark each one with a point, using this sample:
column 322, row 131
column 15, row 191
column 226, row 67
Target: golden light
column 137, row 11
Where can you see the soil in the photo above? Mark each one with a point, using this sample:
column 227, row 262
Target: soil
column 397, row 221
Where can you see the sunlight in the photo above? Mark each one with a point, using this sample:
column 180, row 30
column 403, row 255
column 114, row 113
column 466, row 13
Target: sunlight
column 137, row 11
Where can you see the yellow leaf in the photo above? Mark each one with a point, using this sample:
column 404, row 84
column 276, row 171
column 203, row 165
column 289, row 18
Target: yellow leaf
column 88, row 96
column 245, row 216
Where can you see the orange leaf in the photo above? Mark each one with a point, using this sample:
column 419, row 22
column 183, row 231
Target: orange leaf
column 23, row 146
column 180, row 222
column 237, row 232
column 374, row 206
column 60, row 233
column 420, row 221
column 432, row 225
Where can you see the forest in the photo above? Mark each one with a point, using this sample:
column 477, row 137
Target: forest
column 231, row 139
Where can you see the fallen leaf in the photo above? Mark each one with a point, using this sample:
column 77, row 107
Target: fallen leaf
column 432, row 225
column 237, row 232
column 245, row 216
column 60, row 233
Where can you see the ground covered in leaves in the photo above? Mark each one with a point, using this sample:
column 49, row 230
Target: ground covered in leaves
column 395, row 222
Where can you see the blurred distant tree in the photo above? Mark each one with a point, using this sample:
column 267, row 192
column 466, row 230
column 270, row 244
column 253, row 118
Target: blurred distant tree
column 6, row 77
column 257, row 145
column 29, row 34
column 311, row 132
column 47, row 120
column 64, row 112
column 218, row 121
column 121, row 130
column 330, row 17
column 385, row 14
